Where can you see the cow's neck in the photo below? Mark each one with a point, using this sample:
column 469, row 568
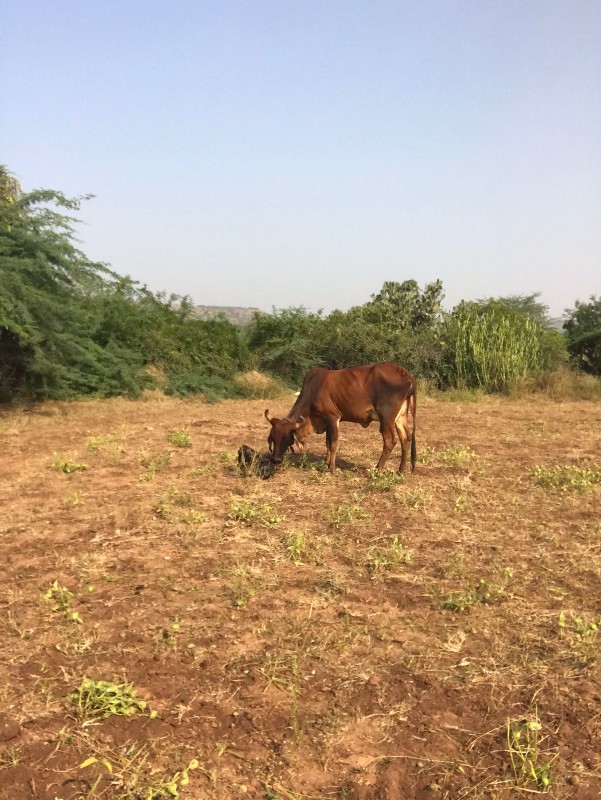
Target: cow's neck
column 299, row 409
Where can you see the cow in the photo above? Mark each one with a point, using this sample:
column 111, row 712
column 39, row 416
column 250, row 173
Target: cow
column 383, row 393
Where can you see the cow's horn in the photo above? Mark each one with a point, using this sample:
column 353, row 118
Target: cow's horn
column 267, row 417
column 301, row 420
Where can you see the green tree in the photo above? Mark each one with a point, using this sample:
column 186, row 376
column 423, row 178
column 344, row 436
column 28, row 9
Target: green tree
column 528, row 304
column 583, row 330
column 286, row 342
column 404, row 306
column 70, row 326
column 47, row 286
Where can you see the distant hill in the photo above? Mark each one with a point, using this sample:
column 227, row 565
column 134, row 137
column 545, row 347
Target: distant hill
column 237, row 315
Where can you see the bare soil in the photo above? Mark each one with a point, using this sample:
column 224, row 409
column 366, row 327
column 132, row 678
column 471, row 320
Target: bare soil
column 305, row 636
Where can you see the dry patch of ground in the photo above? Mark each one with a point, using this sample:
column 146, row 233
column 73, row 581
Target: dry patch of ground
column 347, row 636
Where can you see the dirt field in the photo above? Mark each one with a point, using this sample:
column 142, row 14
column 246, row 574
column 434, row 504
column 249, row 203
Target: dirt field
column 346, row 636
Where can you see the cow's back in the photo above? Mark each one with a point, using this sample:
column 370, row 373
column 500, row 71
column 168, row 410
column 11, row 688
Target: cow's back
column 357, row 392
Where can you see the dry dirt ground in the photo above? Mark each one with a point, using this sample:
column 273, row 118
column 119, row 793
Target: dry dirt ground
column 307, row 636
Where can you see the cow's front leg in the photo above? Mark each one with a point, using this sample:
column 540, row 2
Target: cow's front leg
column 331, row 443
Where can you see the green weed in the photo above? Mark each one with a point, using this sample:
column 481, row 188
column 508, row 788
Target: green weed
column 566, row 478
column 383, row 480
column 67, row 466
column 178, row 437
column 456, row 455
column 484, row 592
column 61, row 599
column 416, row 498
column 523, row 745
column 94, row 700
column 242, row 585
column 389, row 558
column 348, row 513
column 154, row 465
column 426, row 455
column 249, row 512
column 96, row 443
column 131, row 777
column 295, row 547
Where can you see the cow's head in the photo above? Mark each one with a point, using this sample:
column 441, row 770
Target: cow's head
column 281, row 436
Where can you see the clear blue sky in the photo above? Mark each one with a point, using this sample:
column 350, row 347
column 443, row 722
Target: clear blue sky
column 284, row 153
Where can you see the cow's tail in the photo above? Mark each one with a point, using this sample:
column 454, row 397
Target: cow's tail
column 413, row 409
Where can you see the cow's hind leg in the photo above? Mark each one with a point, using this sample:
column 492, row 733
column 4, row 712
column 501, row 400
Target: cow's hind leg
column 388, row 442
column 403, row 430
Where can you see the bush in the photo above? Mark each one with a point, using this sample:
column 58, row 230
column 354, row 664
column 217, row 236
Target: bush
column 490, row 346
column 583, row 328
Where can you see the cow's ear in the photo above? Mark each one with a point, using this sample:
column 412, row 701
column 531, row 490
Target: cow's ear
column 267, row 417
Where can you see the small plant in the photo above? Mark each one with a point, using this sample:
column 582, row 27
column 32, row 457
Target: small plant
column 295, row 547
column 127, row 772
column 484, row 592
column 227, row 459
column 456, row 455
column 194, row 517
column 242, row 585
column 205, row 469
column 9, row 758
column 179, row 438
column 459, row 504
column 96, row 443
column 67, row 466
column 393, row 556
column 154, row 465
column 523, row 745
column 170, row 634
column 75, row 498
column 348, row 513
column 61, row 598
column 383, row 480
column 416, row 499
column 250, row 513
column 566, row 478
column 174, row 507
column 582, row 635
column 426, row 455
column 95, row 700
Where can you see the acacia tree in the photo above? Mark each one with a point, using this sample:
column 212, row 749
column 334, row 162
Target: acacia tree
column 47, row 290
column 70, row 326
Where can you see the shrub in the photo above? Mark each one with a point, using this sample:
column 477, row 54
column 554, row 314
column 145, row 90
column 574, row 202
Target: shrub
column 490, row 346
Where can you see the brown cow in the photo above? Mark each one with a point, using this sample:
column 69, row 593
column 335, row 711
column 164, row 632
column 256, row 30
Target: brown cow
column 384, row 393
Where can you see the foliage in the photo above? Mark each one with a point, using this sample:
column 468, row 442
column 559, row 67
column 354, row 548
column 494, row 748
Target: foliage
column 523, row 746
column 490, row 346
column 566, row 478
column 403, row 306
column 286, row 341
column 102, row 699
column 400, row 323
column 528, row 304
column 583, row 330
column 70, row 326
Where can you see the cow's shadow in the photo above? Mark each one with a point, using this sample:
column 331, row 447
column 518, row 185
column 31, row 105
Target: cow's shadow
column 313, row 461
